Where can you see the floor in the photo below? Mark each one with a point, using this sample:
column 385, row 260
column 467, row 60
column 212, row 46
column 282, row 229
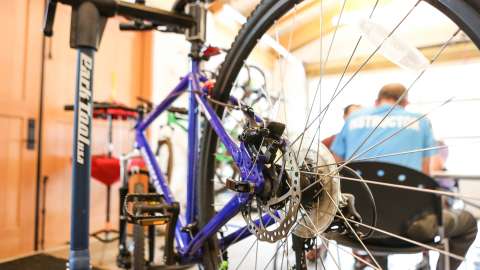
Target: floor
column 103, row 256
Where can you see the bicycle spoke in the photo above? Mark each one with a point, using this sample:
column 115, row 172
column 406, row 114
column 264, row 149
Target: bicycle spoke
column 388, row 137
column 281, row 263
column 278, row 248
column 238, row 237
column 316, row 232
column 335, row 261
column 364, row 63
column 449, row 254
column 352, row 230
column 286, row 249
column 349, row 253
column 425, row 190
column 321, row 77
column 404, row 94
column 279, row 57
column 376, row 182
column 439, row 147
column 411, row 241
column 246, row 254
column 320, row 120
column 346, row 68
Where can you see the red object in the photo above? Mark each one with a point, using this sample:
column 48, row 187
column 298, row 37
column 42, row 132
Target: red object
column 116, row 113
column 211, row 51
column 105, row 169
column 136, row 163
column 209, row 86
column 329, row 141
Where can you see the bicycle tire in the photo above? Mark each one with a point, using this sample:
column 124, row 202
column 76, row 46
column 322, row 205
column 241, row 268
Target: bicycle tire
column 138, row 259
column 465, row 13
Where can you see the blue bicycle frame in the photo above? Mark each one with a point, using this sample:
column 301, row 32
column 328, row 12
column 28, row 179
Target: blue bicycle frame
column 189, row 247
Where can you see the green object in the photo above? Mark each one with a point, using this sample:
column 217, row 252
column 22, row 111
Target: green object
column 222, row 155
column 173, row 120
column 224, row 265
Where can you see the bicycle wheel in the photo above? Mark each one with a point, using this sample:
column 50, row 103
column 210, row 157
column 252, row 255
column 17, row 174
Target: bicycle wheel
column 138, row 259
column 271, row 17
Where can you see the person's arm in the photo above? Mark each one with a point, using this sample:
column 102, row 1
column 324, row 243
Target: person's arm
column 328, row 141
column 339, row 145
column 437, row 163
column 426, row 165
column 428, row 142
column 338, row 159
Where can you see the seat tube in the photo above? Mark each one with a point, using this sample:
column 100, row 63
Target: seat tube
column 82, row 126
column 192, row 144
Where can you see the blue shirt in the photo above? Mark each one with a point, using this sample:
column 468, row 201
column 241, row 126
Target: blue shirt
column 358, row 126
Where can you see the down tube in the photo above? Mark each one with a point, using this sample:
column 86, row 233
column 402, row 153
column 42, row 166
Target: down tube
column 160, row 184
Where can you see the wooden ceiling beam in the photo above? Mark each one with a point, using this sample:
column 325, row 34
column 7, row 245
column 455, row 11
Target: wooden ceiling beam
column 216, row 6
column 300, row 9
column 308, row 31
column 454, row 52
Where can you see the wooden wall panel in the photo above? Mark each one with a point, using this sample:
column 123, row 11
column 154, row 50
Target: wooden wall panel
column 122, row 74
column 10, row 173
column 12, row 57
column 20, row 58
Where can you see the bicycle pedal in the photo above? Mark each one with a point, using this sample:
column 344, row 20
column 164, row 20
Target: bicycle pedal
column 147, row 209
column 151, row 209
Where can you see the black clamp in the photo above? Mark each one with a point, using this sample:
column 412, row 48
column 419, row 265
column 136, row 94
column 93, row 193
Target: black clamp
column 191, row 228
column 89, row 18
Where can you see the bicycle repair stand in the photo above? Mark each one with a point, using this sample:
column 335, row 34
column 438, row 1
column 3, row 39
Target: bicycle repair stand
column 87, row 25
column 88, row 21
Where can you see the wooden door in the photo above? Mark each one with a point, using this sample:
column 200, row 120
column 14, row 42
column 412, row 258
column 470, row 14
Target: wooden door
column 20, row 73
column 122, row 73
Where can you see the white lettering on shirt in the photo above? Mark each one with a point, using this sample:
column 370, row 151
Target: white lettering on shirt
column 394, row 121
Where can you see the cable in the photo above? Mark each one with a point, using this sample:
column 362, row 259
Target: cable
column 372, row 200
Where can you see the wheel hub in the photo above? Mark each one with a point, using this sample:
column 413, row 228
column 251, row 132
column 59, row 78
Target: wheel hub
column 320, row 192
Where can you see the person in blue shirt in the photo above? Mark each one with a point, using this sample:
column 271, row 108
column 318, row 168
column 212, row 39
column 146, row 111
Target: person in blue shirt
column 349, row 109
column 415, row 135
column 401, row 131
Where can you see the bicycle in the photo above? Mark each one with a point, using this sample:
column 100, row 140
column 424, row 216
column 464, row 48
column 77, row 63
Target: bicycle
column 249, row 93
column 285, row 184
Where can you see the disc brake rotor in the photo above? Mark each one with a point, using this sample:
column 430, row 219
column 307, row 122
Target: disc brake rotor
column 283, row 217
column 319, row 174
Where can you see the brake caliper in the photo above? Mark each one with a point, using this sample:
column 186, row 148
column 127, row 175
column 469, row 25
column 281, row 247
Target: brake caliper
column 263, row 145
column 347, row 208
